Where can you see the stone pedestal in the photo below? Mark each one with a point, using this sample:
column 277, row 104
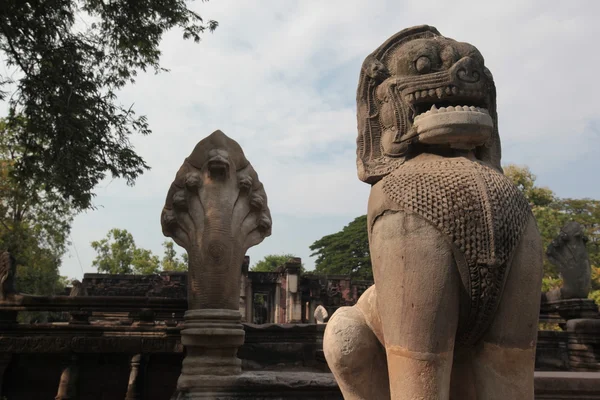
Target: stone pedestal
column 584, row 344
column 212, row 338
column 570, row 309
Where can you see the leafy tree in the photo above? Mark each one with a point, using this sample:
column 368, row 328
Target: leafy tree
column 69, row 59
column 170, row 260
column 546, row 207
column 270, row 263
column 144, row 262
column 34, row 220
column 552, row 213
column 345, row 252
column 118, row 254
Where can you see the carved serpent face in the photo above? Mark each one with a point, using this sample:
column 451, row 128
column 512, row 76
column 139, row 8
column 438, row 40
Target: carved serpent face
column 422, row 88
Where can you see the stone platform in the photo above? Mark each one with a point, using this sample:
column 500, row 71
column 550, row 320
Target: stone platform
column 567, row 385
column 275, row 385
column 266, row 385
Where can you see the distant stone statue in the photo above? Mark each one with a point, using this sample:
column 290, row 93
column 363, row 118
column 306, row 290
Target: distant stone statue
column 7, row 275
column 569, row 253
column 456, row 254
column 78, row 289
column 321, row 314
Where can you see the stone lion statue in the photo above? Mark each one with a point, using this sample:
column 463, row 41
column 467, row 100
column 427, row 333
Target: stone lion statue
column 456, row 254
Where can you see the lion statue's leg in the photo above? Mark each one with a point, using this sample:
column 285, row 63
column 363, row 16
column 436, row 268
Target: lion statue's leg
column 354, row 353
column 418, row 288
column 503, row 363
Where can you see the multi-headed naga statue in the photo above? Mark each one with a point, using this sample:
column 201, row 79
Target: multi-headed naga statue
column 216, row 209
column 456, row 253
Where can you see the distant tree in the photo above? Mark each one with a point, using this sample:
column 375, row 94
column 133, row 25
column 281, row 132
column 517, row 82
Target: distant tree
column 118, row 254
column 551, row 214
column 34, row 220
column 170, row 260
column 546, row 207
column 144, row 262
column 270, row 263
column 67, row 61
column 345, row 252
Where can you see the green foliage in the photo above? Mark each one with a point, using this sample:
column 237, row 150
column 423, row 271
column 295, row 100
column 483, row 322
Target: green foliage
column 595, row 292
column 170, row 260
column 118, row 254
column 34, row 220
column 115, row 252
column 270, row 263
column 144, row 262
column 549, row 283
column 345, row 252
column 524, row 179
column 552, row 213
column 67, row 61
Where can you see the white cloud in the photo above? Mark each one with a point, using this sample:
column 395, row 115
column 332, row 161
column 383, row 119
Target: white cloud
column 280, row 78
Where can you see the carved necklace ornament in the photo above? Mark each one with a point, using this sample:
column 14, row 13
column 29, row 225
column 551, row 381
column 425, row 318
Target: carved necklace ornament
column 482, row 212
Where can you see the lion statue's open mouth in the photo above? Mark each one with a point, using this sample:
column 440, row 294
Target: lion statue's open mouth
column 423, row 89
column 461, row 127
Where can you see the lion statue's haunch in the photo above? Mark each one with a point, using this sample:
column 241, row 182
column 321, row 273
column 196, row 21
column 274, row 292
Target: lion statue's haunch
column 456, row 254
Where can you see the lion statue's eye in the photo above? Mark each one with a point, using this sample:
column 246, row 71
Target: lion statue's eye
column 423, row 64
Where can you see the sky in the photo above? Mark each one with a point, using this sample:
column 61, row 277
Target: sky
column 280, row 78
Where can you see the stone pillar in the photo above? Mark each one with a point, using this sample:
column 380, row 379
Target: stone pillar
column 135, row 385
column 311, row 311
column 216, row 209
column 294, row 297
column 249, row 301
column 245, row 299
column 277, row 306
column 67, row 386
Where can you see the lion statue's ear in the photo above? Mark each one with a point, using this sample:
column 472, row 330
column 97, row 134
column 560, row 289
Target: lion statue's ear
column 375, row 69
column 372, row 161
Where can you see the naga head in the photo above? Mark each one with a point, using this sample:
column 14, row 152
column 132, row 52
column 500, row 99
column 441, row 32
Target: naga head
column 214, row 176
column 420, row 89
column 568, row 251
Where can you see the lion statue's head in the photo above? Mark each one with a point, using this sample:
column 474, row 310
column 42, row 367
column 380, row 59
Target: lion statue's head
column 421, row 90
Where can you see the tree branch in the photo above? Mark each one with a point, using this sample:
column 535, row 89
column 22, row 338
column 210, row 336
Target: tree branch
column 14, row 51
